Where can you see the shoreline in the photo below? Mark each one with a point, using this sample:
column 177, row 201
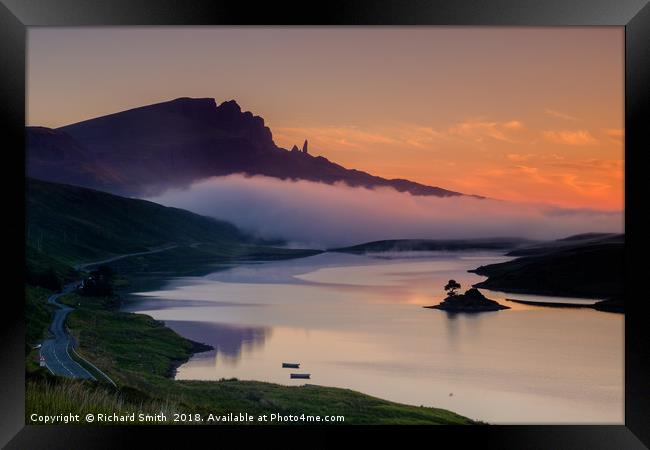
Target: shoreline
column 493, row 286
column 550, row 304
column 198, row 347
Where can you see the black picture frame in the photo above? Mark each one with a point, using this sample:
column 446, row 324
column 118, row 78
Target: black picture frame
column 634, row 15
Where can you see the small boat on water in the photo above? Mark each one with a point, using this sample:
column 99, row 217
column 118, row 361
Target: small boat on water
column 301, row 375
column 291, row 365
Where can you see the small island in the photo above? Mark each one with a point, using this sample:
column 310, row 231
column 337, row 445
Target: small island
column 471, row 301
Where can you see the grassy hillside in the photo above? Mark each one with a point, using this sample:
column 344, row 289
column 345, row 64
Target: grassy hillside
column 79, row 225
column 63, row 396
column 45, row 271
column 70, row 225
column 131, row 348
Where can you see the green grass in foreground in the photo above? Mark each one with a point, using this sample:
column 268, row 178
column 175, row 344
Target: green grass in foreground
column 139, row 353
column 59, row 396
column 257, row 397
column 52, row 396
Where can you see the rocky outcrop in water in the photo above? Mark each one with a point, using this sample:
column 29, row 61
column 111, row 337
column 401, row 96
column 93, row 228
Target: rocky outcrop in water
column 471, row 301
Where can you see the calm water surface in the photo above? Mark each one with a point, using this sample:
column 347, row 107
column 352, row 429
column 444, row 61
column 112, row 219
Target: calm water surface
column 357, row 322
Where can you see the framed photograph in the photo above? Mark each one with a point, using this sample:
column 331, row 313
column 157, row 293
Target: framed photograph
column 409, row 214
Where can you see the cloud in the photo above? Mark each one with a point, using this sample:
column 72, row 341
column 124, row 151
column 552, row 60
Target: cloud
column 333, row 136
column 616, row 135
column 518, row 157
column 559, row 115
column 395, row 135
column 321, row 215
column 599, row 167
column 593, row 188
column 352, row 138
column 477, row 129
column 567, row 137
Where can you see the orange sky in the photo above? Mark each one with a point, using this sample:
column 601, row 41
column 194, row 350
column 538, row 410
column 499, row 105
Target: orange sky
column 532, row 114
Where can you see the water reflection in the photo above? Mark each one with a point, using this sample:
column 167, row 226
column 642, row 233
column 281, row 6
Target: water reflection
column 357, row 322
column 229, row 341
column 136, row 303
column 463, row 327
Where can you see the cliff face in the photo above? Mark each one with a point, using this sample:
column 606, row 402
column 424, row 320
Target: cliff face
column 146, row 150
column 173, row 119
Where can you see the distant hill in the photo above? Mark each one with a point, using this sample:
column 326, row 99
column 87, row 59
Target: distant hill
column 145, row 150
column 417, row 245
column 591, row 270
column 575, row 241
column 56, row 156
column 583, row 237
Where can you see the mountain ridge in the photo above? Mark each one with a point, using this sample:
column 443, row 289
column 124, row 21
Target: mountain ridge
column 145, row 150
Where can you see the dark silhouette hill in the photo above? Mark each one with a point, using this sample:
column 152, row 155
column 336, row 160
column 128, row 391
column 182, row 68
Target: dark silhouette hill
column 575, row 241
column 55, row 156
column 591, row 270
column 145, row 150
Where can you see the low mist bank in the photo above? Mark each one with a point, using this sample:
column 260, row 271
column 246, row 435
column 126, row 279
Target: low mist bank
column 323, row 216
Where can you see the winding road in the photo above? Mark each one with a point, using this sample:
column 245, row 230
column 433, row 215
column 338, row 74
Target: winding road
column 55, row 352
column 128, row 255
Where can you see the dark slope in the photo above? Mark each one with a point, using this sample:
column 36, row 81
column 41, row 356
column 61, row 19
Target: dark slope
column 592, row 271
column 56, row 156
column 171, row 144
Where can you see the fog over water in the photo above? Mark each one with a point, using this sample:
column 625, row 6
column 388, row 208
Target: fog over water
column 321, row 215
